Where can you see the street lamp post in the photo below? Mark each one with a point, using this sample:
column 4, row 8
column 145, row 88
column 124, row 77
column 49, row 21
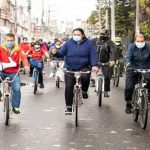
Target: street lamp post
column 15, row 10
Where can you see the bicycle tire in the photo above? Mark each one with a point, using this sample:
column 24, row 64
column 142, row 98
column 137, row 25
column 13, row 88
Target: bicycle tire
column 76, row 99
column 116, row 75
column 57, row 82
column 135, row 105
column 35, row 81
column 6, row 110
column 144, row 110
column 100, row 84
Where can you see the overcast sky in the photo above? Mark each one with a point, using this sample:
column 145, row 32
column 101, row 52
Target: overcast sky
column 65, row 9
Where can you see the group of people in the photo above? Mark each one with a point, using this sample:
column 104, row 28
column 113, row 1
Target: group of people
column 79, row 54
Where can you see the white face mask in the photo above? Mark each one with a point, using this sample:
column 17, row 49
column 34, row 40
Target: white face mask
column 140, row 44
column 77, row 38
column 58, row 46
column 37, row 47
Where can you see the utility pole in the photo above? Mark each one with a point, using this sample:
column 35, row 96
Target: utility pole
column 99, row 15
column 16, row 18
column 42, row 19
column 113, row 20
column 137, row 23
column 29, row 20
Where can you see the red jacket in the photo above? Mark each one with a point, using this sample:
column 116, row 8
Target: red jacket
column 16, row 55
column 37, row 54
column 25, row 46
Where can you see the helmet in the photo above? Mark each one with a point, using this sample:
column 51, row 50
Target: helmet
column 118, row 39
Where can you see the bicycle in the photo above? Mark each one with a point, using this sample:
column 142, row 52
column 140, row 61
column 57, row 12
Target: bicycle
column 58, row 75
column 7, row 95
column 116, row 74
column 35, row 77
column 140, row 99
column 100, row 84
column 77, row 92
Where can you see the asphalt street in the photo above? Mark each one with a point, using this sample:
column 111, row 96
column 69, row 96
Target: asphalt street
column 42, row 124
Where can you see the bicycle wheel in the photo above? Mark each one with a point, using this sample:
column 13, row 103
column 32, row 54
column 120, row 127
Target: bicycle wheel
column 6, row 110
column 116, row 75
column 35, row 76
column 57, row 82
column 144, row 110
column 135, row 105
column 100, row 84
column 76, row 100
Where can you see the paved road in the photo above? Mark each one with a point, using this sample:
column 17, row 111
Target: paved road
column 42, row 124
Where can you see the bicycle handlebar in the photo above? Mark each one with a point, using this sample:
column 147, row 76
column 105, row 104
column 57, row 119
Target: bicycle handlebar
column 142, row 70
column 10, row 81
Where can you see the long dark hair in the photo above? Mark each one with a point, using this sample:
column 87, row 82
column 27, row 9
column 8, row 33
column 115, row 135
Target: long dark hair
column 80, row 30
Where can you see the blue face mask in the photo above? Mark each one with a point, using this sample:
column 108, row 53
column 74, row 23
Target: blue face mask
column 77, row 38
column 9, row 44
column 140, row 44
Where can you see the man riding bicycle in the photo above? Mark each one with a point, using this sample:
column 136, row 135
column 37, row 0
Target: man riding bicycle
column 105, row 49
column 10, row 49
column 138, row 57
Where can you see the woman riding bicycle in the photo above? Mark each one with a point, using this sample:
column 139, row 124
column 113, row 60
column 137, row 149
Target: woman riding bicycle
column 80, row 54
column 37, row 53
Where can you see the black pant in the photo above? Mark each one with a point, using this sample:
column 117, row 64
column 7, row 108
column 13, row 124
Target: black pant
column 40, row 80
column 106, row 73
column 131, row 80
column 69, row 86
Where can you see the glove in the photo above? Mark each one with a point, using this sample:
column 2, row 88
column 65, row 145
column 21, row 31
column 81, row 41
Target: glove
column 129, row 68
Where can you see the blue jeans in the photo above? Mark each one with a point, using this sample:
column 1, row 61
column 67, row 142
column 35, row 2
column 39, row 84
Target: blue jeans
column 15, row 88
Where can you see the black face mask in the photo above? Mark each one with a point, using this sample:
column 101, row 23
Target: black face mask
column 104, row 38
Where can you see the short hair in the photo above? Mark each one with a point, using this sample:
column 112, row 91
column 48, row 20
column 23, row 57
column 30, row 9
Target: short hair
column 10, row 35
column 139, row 34
column 25, row 38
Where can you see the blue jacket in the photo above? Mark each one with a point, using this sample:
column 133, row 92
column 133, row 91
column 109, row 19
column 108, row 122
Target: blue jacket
column 138, row 58
column 78, row 56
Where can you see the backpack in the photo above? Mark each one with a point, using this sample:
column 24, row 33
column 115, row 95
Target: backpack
column 103, row 52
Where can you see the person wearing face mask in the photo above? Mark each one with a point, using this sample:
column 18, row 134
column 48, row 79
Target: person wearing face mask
column 79, row 55
column 120, row 53
column 60, row 60
column 36, row 53
column 7, row 50
column 106, row 54
column 138, row 57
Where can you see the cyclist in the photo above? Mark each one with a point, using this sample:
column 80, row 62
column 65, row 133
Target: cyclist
column 79, row 54
column 36, row 53
column 138, row 57
column 57, row 47
column 105, row 49
column 120, row 50
column 10, row 49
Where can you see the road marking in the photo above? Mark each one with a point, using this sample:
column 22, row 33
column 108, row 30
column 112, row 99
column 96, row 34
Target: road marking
column 113, row 132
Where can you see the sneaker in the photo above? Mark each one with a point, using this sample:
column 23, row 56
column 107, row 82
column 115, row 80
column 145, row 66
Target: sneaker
column 51, row 75
column 42, row 86
column 85, row 95
column 106, row 94
column 16, row 110
column 128, row 109
column 68, row 111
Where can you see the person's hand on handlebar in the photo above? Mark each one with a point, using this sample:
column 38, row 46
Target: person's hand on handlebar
column 95, row 69
column 111, row 63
